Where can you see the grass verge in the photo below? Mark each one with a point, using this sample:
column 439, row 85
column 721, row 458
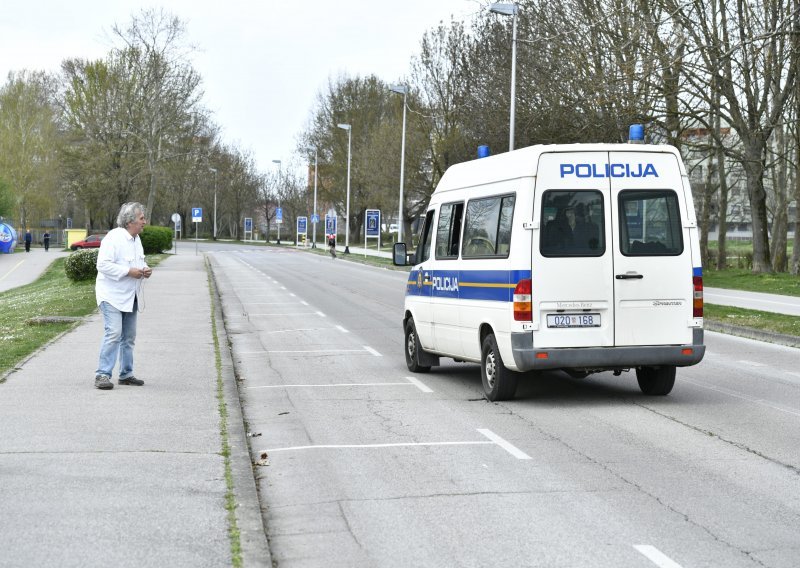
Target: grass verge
column 753, row 319
column 53, row 294
column 743, row 279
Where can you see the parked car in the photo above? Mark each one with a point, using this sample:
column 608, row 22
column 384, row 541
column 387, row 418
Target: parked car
column 92, row 241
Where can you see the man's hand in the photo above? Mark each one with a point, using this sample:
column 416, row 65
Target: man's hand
column 140, row 272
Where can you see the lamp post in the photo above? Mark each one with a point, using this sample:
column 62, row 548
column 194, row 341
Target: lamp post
column 347, row 212
column 279, row 222
column 401, row 89
column 314, row 238
column 510, row 10
column 215, row 202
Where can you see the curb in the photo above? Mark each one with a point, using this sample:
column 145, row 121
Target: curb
column 751, row 333
column 253, row 536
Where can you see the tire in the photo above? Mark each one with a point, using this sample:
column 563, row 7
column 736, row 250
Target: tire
column 499, row 383
column 412, row 349
column 656, row 381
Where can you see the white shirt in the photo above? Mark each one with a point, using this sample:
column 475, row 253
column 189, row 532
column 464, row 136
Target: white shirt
column 119, row 252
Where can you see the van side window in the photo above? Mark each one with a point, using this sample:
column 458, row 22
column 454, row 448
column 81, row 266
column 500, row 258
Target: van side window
column 424, row 249
column 487, row 229
column 650, row 223
column 572, row 224
column 448, row 231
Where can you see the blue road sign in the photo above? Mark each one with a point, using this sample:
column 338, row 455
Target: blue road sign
column 197, row 214
column 302, row 225
column 330, row 224
column 315, row 218
column 279, row 214
column 373, row 222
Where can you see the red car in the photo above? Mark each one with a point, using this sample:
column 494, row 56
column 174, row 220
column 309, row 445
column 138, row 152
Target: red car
column 92, row 241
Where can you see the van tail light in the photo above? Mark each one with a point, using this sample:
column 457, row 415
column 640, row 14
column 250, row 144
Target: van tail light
column 697, row 304
column 522, row 301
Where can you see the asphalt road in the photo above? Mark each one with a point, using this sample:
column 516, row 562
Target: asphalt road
column 365, row 464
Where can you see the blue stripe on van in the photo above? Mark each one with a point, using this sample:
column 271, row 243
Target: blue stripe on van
column 492, row 285
column 697, row 271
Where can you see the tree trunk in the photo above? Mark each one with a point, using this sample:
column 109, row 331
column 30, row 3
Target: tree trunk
column 780, row 216
column 754, row 171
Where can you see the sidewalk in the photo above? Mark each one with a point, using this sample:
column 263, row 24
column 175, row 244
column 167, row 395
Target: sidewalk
column 133, row 476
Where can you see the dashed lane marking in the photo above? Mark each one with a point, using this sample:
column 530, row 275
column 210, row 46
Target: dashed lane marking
column 656, row 556
column 505, row 444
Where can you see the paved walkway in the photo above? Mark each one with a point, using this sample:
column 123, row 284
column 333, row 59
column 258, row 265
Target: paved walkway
column 23, row 267
column 133, row 476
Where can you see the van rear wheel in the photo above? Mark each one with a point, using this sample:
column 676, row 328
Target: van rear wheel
column 656, row 381
column 413, row 349
column 499, row 383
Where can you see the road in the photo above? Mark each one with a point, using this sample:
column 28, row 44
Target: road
column 368, row 465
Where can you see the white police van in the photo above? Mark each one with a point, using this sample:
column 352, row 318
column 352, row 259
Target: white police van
column 579, row 257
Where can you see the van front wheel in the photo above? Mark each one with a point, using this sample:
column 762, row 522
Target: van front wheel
column 499, row 383
column 413, row 349
column 656, row 381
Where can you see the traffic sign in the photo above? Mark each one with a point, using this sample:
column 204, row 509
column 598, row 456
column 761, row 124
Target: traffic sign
column 315, row 218
column 302, row 225
column 279, row 215
column 373, row 222
column 197, row 214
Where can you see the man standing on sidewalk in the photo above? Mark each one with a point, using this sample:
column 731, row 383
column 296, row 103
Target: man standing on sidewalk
column 121, row 270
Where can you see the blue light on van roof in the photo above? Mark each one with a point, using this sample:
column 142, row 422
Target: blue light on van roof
column 483, row 151
column 636, row 134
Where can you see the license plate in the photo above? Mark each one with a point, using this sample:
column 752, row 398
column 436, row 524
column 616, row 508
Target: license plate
column 573, row 320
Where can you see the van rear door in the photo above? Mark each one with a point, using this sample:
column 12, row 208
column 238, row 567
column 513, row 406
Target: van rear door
column 653, row 288
column 572, row 270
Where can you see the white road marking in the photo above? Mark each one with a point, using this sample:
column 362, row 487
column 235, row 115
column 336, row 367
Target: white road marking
column 13, row 269
column 286, row 314
column 419, row 384
column 752, row 363
column 735, row 394
column 506, row 445
column 333, row 385
column 302, row 301
column 269, row 303
column 323, row 351
column 362, row 446
column 320, row 314
column 343, row 330
column 656, row 556
column 371, row 351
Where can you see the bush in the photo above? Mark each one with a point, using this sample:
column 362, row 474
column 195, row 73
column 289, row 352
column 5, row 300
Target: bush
column 156, row 239
column 82, row 265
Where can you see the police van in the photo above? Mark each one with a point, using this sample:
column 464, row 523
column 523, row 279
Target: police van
column 579, row 257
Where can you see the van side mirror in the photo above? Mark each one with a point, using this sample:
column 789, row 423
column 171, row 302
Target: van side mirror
column 399, row 256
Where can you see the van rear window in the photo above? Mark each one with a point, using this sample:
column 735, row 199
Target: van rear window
column 650, row 223
column 572, row 224
column 487, row 229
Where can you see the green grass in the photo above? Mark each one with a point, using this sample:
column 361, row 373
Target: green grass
column 53, row 294
column 743, row 279
column 764, row 321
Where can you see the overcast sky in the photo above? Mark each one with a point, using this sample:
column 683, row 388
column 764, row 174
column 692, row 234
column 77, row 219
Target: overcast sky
column 262, row 62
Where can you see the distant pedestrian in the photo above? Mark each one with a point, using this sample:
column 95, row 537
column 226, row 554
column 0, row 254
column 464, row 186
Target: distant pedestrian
column 46, row 240
column 121, row 269
column 332, row 246
column 28, row 239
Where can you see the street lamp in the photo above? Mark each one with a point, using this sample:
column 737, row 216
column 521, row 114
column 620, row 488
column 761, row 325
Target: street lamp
column 347, row 212
column 510, row 10
column 401, row 89
column 215, row 201
column 279, row 222
column 314, row 223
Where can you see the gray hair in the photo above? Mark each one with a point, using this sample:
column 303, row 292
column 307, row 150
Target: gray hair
column 128, row 213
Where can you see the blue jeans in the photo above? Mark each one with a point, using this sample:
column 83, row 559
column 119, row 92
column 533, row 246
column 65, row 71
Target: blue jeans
column 119, row 337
